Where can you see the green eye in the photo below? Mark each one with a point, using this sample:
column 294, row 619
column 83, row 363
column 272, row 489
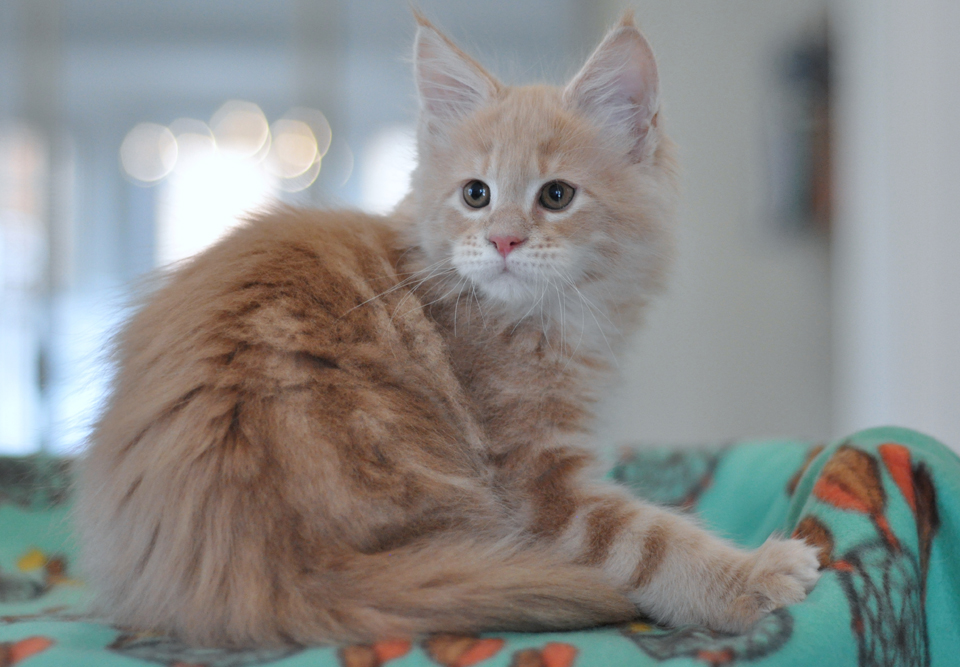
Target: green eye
column 476, row 194
column 556, row 195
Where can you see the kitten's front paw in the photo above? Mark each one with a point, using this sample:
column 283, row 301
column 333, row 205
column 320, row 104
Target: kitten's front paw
column 781, row 572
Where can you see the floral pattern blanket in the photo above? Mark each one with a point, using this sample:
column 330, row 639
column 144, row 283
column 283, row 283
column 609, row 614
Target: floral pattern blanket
column 882, row 505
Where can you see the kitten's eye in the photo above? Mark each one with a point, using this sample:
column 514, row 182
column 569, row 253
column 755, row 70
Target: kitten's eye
column 476, row 194
column 556, row 195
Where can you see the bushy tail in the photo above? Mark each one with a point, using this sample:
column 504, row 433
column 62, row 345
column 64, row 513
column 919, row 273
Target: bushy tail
column 467, row 587
column 243, row 583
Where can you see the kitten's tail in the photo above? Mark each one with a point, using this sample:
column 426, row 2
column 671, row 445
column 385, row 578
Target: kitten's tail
column 467, row 587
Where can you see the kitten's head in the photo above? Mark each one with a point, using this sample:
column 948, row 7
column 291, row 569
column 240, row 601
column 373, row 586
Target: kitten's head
column 536, row 189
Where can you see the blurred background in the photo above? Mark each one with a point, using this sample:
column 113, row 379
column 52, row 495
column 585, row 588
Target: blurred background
column 818, row 284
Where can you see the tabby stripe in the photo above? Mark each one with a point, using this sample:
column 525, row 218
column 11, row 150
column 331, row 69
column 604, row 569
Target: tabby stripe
column 604, row 525
column 142, row 563
column 554, row 501
column 129, row 494
column 653, row 552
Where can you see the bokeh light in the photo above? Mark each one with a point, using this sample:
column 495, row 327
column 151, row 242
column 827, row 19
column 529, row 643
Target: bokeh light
column 215, row 175
column 337, row 164
column 148, row 152
column 241, row 130
column 301, row 181
column 294, row 148
column 194, row 141
column 318, row 124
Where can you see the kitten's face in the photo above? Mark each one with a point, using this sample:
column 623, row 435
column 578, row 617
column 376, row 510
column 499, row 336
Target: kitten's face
column 520, row 205
column 534, row 191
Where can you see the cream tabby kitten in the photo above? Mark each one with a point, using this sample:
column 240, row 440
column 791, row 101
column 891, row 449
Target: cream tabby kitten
column 339, row 427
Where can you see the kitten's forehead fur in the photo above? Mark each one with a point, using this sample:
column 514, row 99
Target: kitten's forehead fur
column 600, row 133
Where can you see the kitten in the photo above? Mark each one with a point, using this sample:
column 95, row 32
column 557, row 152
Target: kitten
column 338, row 427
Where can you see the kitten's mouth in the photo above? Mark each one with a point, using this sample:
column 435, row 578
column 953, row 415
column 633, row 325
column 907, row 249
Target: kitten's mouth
column 507, row 270
column 499, row 279
column 509, row 279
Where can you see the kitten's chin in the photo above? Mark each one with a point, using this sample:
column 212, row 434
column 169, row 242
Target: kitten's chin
column 508, row 289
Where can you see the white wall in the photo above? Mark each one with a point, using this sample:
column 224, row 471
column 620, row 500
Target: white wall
column 896, row 256
column 740, row 344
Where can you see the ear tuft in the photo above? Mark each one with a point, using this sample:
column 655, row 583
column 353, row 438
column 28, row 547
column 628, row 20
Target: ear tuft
column 619, row 86
column 627, row 20
column 420, row 18
column 450, row 83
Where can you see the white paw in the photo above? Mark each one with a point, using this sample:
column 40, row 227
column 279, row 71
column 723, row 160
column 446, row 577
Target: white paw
column 779, row 573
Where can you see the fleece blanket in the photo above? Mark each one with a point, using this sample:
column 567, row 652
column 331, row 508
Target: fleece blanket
column 882, row 505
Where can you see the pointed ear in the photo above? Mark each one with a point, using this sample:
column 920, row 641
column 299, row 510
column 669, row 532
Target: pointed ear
column 450, row 83
column 619, row 86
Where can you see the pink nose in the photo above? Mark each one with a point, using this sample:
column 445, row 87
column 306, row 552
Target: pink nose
column 505, row 244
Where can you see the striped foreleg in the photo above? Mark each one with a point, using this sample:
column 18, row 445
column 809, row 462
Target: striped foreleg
column 674, row 570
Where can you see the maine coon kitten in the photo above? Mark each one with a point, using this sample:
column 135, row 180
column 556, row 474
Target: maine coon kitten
column 333, row 427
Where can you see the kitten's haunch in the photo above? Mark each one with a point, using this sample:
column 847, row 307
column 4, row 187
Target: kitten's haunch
column 335, row 427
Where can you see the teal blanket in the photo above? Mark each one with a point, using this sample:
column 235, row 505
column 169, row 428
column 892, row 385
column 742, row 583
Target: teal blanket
column 883, row 506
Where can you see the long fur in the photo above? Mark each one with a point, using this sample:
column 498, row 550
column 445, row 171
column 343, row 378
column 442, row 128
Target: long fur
column 337, row 427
